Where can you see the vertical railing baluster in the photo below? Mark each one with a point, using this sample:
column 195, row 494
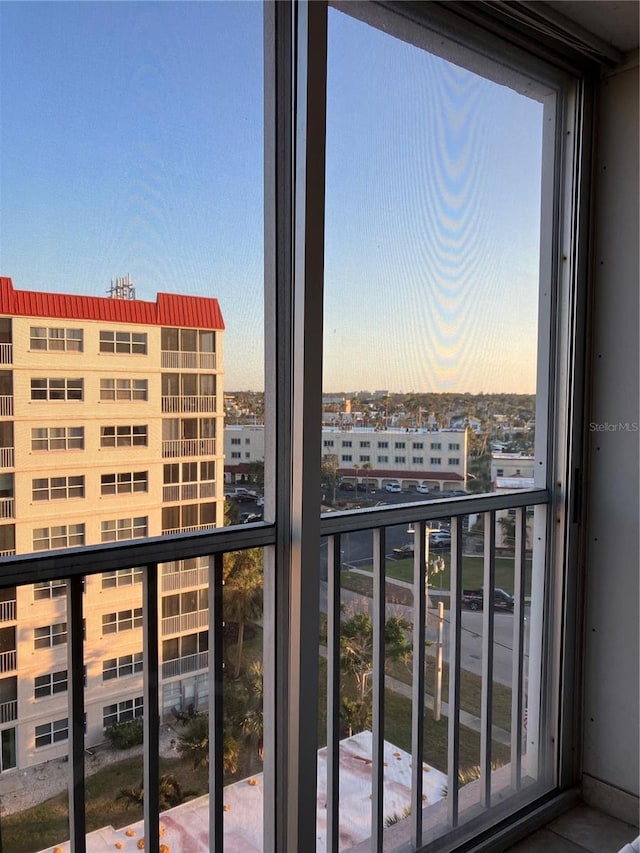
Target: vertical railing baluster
column 488, row 623
column 377, row 779
column 517, row 661
column 151, row 718
column 216, row 699
column 420, row 604
column 75, row 680
column 455, row 636
column 333, row 693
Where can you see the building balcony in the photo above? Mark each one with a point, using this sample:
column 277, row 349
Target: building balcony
column 191, row 403
column 189, row 528
column 6, row 457
column 185, row 622
column 6, row 508
column 185, row 665
column 184, row 579
column 6, row 406
column 8, row 661
column 176, row 448
column 8, row 711
column 6, row 353
column 188, row 360
column 8, row 552
column 8, row 610
column 188, row 492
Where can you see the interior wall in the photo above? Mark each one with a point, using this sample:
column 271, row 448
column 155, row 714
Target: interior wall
column 611, row 725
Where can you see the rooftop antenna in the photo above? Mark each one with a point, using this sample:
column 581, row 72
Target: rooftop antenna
column 122, row 288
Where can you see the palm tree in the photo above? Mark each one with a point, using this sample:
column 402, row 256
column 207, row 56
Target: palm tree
column 194, row 741
column 242, row 593
column 169, row 791
column 366, row 466
column 251, row 719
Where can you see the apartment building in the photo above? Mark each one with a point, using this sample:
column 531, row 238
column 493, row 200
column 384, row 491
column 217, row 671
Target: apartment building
column 433, row 458
column 110, row 415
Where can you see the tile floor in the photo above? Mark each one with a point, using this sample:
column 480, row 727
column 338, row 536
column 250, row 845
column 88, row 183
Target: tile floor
column 580, row 829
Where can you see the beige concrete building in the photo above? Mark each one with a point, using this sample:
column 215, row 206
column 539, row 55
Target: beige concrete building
column 111, row 419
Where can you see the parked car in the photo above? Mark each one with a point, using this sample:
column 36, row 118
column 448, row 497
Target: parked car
column 440, row 539
column 393, row 487
column 346, row 486
column 248, row 517
column 367, row 487
column 474, row 599
column 403, row 551
column 422, row 490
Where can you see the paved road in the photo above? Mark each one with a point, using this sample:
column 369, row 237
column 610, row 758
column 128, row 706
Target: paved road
column 471, row 657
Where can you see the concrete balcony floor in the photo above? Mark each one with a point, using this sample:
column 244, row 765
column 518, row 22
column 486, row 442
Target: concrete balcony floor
column 581, row 829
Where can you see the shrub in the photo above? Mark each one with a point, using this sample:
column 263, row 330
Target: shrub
column 126, row 734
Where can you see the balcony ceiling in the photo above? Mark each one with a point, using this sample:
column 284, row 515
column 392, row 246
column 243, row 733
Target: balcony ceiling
column 614, row 21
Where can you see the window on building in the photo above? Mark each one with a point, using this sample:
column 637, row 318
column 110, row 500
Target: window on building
column 50, row 684
column 236, row 454
column 57, row 438
column 124, row 389
column 124, row 528
column 236, row 441
column 364, row 458
column 121, row 577
column 399, row 445
column 417, row 460
column 346, row 443
column 122, row 666
column 327, row 442
column 346, row 457
column 57, row 389
column 399, row 460
column 50, row 635
column 53, row 732
column 60, row 536
column 124, row 483
column 46, row 590
column 124, row 436
column 436, row 445
column 130, row 709
column 454, row 446
column 127, row 343
column 500, row 472
column 418, row 445
column 58, row 340
column 454, row 460
column 187, row 602
column 188, row 516
column 365, row 444
column 184, row 646
column 435, row 460
column 57, row 488
column 383, row 445
column 383, row 459
column 123, row 620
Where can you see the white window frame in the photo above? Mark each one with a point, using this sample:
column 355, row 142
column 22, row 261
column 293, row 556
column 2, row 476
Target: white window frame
column 128, row 709
column 70, row 340
column 123, row 666
column 124, row 435
column 118, row 390
column 50, row 684
column 49, row 733
column 57, row 438
column 71, row 487
column 123, row 343
column 124, row 483
column 58, row 536
column 122, row 620
column 57, row 389
column 121, row 577
column 49, row 636
column 48, row 590
column 119, row 529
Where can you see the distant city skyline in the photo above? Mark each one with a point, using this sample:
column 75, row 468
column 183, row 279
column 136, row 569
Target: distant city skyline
column 132, row 140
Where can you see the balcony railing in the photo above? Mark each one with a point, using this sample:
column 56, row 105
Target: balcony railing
column 6, row 406
column 185, row 665
column 6, row 457
column 192, row 403
column 8, row 661
column 6, row 353
column 175, row 448
column 6, row 508
column 468, row 809
column 188, row 360
column 185, row 622
column 184, row 579
column 188, row 528
column 8, row 610
column 188, row 491
column 8, row 711
column 8, row 552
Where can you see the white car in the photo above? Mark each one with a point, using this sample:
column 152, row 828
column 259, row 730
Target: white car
column 393, row 487
column 422, row 490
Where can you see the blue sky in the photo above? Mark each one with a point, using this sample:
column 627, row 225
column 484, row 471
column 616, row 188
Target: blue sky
column 131, row 142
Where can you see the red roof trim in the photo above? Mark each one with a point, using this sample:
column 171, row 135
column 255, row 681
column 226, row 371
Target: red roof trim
column 169, row 309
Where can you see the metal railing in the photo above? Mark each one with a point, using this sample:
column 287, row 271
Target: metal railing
column 6, row 457
column 185, row 622
column 6, row 508
column 188, row 491
column 189, row 528
column 8, row 661
column 185, row 665
column 184, row 579
column 192, row 403
column 8, row 711
column 6, row 353
column 75, row 564
column 188, row 360
column 6, row 406
column 8, row 610
column 175, row 448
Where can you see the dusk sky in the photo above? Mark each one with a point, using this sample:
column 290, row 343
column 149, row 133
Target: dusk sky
column 131, row 141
